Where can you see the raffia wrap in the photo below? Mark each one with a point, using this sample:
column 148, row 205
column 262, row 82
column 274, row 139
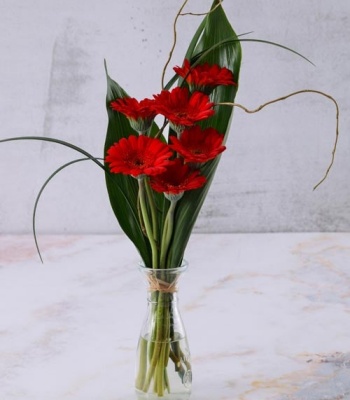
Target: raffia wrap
column 158, row 285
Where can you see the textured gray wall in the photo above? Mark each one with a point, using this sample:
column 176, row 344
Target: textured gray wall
column 52, row 83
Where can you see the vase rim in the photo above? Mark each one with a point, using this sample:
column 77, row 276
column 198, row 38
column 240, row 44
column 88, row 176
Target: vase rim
column 182, row 268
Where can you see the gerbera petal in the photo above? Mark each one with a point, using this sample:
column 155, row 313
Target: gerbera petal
column 198, row 146
column 140, row 114
column 138, row 155
column 177, row 178
column 205, row 77
column 182, row 108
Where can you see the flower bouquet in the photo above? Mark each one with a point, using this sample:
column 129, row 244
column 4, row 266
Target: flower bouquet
column 157, row 184
column 157, row 178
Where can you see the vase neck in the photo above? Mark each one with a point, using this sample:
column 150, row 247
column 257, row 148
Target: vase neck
column 162, row 284
column 155, row 297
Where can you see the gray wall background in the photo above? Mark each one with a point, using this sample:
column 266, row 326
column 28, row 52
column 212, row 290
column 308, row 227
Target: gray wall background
column 52, row 83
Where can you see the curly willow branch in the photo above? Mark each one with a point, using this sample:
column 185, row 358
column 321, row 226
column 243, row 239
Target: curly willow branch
column 180, row 14
column 206, row 13
column 286, row 97
column 174, row 42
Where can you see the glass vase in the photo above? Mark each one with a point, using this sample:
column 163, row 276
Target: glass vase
column 163, row 365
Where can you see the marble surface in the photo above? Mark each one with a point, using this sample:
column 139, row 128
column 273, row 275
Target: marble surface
column 267, row 316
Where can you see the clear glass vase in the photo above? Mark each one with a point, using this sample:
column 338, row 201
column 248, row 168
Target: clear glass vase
column 163, row 365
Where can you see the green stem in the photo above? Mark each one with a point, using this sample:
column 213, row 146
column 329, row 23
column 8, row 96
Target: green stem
column 151, row 368
column 148, row 226
column 167, row 233
column 160, row 372
column 143, row 364
column 154, row 297
column 160, row 354
column 163, row 383
column 167, row 348
column 153, row 208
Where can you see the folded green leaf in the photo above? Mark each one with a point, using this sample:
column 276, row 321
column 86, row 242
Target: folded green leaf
column 214, row 29
column 123, row 189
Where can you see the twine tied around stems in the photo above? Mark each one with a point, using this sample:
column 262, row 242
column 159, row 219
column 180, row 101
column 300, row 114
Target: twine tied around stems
column 158, row 285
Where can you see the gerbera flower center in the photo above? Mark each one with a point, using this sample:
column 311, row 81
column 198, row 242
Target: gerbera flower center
column 138, row 162
column 197, row 151
column 181, row 114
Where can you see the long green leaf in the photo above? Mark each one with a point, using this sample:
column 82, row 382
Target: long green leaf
column 123, row 189
column 57, row 141
column 41, row 192
column 63, row 143
column 215, row 29
column 199, row 56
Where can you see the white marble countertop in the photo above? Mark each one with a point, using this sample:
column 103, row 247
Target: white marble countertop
column 267, row 317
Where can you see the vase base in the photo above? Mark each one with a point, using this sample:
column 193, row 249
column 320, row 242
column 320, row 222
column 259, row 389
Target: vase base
column 168, row 396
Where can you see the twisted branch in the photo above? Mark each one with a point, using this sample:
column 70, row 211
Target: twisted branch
column 180, row 14
column 287, row 97
column 206, row 13
column 174, row 41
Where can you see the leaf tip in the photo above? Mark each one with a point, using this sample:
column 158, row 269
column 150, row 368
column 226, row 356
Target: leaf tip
column 105, row 65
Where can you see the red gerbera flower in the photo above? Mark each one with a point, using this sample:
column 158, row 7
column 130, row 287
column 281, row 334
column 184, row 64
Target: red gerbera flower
column 181, row 108
column 205, row 77
column 198, row 146
column 140, row 113
column 177, row 178
column 138, row 155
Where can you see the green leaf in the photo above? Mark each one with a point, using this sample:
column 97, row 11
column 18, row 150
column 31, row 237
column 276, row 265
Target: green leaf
column 204, row 47
column 57, row 141
column 63, row 143
column 123, row 189
column 41, row 192
column 231, row 41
